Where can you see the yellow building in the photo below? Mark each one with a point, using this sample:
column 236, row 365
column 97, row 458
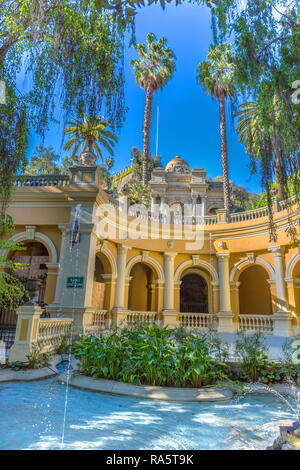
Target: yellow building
column 103, row 265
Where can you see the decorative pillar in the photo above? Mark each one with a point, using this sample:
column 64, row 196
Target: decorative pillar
column 159, row 289
column 282, row 317
column 225, row 314
column 168, row 311
column 121, row 268
column 26, row 332
column 62, row 257
column 177, row 295
column 51, row 282
column 119, row 310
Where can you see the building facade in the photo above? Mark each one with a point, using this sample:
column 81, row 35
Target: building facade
column 102, row 263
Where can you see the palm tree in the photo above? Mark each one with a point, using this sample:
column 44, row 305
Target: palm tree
column 152, row 71
column 215, row 75
column 88, row 134
column 250, row 128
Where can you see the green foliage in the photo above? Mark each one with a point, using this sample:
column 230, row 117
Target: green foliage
column 265, row 38
column 88, row 134
column 138, row 194
column 250, row 351
column 146, row 355
column 12, row 291
column 242, row 200
column 62, row 348
column 124, row 11
column 54, row 43
column 137, row 161
column 255, row 366
column 156, row 64
column 18, row 365
column 44, row 161
column 37, row 359
column 216, row 74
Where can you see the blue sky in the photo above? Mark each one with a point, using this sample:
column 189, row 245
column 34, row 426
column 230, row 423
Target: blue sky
column 189, row 119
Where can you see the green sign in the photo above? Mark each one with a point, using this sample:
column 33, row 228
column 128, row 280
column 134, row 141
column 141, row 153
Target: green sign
column 74, row 282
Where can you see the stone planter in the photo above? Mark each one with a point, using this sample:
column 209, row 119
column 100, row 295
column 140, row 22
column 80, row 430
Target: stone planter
column 88, row 158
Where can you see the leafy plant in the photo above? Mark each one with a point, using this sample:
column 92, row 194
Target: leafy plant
column 18, row 365
column 63, row 345
column 89, row 134
column 147, row 355
column 251, row 352
column 36, row 358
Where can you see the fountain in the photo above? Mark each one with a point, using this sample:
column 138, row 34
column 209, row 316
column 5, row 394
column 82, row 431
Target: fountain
column 73, row 242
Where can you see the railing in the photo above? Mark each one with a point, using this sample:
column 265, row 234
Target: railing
column 98, row 321
column 249, row 215
column 199, row 321
column 288, row 202
column 51, row 332
column 143, row 317
column 256, row 323
column 42, row 180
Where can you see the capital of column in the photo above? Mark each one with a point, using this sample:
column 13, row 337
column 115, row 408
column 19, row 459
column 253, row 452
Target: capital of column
column 223, row 255
column 122, row 248
column 276, row 250
column 52, row 268
column 170, row 254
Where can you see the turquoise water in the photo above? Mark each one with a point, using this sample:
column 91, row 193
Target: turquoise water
column 31, row 417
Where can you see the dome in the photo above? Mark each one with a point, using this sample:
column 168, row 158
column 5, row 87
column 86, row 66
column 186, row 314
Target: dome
column 178, row 165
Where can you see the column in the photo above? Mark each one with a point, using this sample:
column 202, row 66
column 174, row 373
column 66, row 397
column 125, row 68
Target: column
column 225, row 314
column 62, row 257
column 77, row 276
column 120, row 285
column 51, row 282
column 169, row 313
column 282, row 317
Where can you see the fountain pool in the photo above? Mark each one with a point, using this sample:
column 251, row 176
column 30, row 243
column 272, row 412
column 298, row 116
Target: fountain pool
column 32, row 414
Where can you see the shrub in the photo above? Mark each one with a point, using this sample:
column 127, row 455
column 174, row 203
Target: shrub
column 255, row 365
column 148, row 356
column 251, row 352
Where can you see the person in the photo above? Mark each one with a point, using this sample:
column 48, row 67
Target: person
column 46, row 313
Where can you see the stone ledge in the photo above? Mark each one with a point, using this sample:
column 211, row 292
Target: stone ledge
column 209, row 394
column 9, row 375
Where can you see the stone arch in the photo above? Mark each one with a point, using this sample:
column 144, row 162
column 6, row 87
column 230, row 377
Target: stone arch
column 110, row 258
column 104, row 278
column 239, row 267
column 40, row 237
column 291, row 265
column 151, row 262
column 201, row 264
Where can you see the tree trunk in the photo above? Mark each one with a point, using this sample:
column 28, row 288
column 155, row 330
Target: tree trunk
column 146, row 131
column 226, row 185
